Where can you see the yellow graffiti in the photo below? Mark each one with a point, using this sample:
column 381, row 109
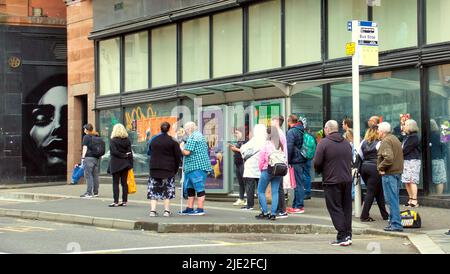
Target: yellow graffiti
column 138, row 114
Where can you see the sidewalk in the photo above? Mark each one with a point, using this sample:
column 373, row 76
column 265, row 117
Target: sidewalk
column 62, row 203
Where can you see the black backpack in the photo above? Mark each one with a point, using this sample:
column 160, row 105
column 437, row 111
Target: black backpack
column 97, row 147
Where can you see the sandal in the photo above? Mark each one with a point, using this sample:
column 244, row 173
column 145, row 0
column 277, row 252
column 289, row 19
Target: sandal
column 368, row 219
column 408, row 203
column 167, row 213
column 413, row 205
column 113, row 205
column 153, row 214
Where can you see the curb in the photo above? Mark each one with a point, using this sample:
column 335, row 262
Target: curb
column 418, row 244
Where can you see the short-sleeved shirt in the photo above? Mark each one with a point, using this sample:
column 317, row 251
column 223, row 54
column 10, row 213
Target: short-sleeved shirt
column 87, row 140
column 199, row 157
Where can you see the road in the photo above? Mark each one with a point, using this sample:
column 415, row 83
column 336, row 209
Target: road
column 30, row 236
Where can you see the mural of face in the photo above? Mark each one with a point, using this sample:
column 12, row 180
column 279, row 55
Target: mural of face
column 49, row 131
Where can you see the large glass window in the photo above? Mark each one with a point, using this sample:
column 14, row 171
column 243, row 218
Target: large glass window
column 227, row 43
column 265, row 36
column 109, row 59
column 397, row 23
column 438, row 21
column 107, row 120
column 195, row 47
column 387, row 94
column 164, row 56
column 136, row 61
column 439, row 110
column 309, row 105
column 302, row 31
column 339, row 13
column 142, row 122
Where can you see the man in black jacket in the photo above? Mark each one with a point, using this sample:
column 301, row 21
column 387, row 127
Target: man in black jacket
column 333, row 160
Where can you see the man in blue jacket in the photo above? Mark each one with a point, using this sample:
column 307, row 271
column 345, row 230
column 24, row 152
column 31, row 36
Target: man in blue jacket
column 297, row 161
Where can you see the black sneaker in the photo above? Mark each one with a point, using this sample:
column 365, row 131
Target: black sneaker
column 307, row 198
column 272, row 217
column 262, row 216
column 447, row 233
column 349, row 239
column 342, row 242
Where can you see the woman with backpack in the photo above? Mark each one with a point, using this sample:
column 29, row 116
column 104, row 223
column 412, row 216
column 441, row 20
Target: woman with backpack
column 271, row 158
column 121, row 162
column 90, row 162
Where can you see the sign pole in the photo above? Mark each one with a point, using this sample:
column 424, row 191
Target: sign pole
column 355, row 102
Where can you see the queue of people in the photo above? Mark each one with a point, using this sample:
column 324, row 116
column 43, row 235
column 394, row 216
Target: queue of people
column 384, row 163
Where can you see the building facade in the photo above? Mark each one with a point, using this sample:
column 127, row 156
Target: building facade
column 33, row 91
column 231, row 64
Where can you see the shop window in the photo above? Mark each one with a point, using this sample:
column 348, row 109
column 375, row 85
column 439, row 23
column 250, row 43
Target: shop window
column 438, row 21
column 339, row 13
column 265, row 36
column 439, row 111
column 142, row 122
column 109, row 70
column 227, row 43
column 107, row 120
column 302, row 31
column 136, row 61
column 388, row 94
column 397, row 24
column 195, row 47
column 309, row 105
column 164, row 56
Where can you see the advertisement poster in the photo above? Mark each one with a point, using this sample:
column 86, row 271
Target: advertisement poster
column 212, row 128
column 403, row 118
column 445, row 131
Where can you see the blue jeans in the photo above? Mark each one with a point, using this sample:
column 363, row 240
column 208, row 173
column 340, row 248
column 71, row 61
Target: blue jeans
column 299, row 191
column 391, row 185
column 307, row 174
column 262, row 186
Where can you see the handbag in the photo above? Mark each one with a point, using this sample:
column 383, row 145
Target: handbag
column 131, row 182
column 292, row 177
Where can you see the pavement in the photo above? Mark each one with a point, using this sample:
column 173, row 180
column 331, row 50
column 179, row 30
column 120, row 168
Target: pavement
column 25, row 236
column 61, row 203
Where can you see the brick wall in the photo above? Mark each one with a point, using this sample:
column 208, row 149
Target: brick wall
column 81, row 75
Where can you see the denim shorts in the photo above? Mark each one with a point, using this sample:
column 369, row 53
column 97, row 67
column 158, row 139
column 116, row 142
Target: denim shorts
column 195, row 179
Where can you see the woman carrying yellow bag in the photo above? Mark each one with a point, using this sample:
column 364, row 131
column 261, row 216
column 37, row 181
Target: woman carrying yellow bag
column 121, row 163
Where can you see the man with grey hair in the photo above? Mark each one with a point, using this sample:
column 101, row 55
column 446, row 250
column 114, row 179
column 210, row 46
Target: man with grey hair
column 390, row 167
column 196, row 166
column 333, row 159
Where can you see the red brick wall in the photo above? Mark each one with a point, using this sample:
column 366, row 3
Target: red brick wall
column 19, row 12
column 81, row 81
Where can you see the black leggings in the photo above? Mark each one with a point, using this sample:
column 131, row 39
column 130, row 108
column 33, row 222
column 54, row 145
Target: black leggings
column 122, row 177
column 372, row 179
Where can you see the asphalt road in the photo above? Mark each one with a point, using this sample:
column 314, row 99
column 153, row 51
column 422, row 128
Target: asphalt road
column 29, row 236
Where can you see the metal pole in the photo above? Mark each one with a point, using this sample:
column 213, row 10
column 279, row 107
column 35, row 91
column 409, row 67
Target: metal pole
column 356, row 115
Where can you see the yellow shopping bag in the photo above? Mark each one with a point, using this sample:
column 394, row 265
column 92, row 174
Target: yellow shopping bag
column 131, row 182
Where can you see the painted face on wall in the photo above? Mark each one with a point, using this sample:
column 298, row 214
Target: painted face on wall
column 49, row 131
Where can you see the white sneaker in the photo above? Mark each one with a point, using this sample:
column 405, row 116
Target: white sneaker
column 239, row 202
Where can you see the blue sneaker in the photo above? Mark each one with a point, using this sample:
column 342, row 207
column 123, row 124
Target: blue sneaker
column 198, row 212
column 187, row 211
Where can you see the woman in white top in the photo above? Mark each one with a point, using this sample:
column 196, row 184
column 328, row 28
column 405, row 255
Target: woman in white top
column 250, row 154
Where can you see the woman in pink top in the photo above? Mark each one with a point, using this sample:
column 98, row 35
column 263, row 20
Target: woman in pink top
column 273, row 143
